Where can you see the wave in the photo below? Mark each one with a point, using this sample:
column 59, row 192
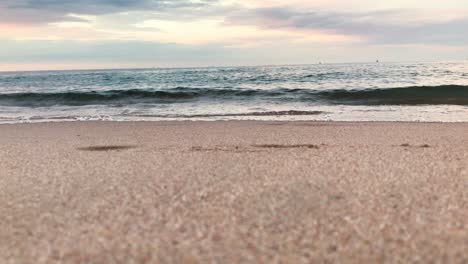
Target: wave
column 266, row 113
column 131, row 96
column 416, row 95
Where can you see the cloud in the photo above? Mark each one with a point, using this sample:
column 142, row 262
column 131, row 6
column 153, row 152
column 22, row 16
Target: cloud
column 65, row 54
column 65, row 50
column 376, row 27
column 388, row 26
column 45, row 11
column 104, row 6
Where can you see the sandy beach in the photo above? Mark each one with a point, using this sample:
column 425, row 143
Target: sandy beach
column 231, row 192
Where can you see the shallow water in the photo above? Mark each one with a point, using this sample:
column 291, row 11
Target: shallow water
column 341, row 92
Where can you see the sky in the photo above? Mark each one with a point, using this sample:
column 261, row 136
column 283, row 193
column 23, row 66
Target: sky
column 86, row 34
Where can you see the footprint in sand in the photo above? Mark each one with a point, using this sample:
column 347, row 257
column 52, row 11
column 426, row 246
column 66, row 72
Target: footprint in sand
column 107, row 148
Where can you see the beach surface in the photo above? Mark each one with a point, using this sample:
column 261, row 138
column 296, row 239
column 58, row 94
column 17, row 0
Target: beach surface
column 234, row 191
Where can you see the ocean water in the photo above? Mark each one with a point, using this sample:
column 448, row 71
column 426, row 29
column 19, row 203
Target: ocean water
column 326, row 92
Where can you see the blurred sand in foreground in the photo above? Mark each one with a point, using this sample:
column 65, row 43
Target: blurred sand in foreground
column 225, row 192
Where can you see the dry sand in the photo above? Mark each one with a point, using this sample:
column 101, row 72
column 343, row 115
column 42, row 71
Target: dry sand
column 224, row 192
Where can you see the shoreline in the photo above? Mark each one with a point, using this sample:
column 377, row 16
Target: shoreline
column 233, row 191
column 230, row 121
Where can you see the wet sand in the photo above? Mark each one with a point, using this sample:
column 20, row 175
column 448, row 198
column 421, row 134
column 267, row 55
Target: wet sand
column 225, row 192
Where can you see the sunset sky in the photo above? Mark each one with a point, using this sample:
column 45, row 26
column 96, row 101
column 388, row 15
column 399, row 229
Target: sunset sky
column 54, row 34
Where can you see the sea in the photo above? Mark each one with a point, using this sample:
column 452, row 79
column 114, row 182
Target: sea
column 422, row 92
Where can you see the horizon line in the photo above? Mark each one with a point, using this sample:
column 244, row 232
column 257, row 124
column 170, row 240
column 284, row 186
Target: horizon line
column 377, row 61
